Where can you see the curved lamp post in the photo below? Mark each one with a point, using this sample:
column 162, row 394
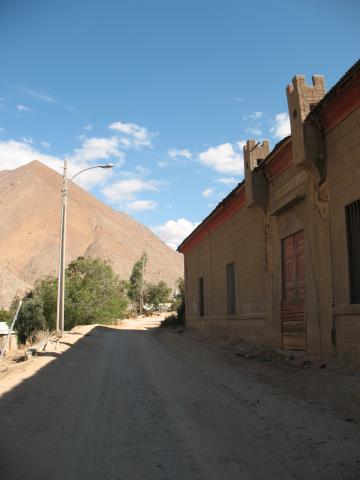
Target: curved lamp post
column 61, row 274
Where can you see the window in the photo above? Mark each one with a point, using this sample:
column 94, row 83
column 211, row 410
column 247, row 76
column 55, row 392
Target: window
column 230, row 285
column 353, row 240
column 201, row 297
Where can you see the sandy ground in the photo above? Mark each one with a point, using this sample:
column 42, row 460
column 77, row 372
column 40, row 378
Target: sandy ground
column 139, row 403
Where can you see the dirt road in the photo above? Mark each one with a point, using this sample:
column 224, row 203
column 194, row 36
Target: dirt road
column 137, row 404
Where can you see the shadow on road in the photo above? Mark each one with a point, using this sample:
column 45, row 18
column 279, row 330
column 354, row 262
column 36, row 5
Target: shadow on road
column 46, row 417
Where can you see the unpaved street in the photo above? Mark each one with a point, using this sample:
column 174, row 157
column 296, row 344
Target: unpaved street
column 133, row 403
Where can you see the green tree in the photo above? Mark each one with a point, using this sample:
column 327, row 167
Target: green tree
column 93, row 294
column 136, row 282
column 31, row 317
column 155, row 294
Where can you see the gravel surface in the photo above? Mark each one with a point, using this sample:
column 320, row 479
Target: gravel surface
column 137, row 403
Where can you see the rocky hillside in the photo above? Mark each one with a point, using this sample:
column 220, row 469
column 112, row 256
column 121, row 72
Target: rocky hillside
column 30, row 225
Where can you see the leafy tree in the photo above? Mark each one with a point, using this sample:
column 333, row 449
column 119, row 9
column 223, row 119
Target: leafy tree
column 157, row 294
column 31, row 317
column 93, row 294
column 136, row 286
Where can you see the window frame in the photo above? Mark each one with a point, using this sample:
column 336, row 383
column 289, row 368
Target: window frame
column 352, row 220
column 201, row 296
column 231, row 288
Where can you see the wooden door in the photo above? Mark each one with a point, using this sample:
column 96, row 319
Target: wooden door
column 293, row 322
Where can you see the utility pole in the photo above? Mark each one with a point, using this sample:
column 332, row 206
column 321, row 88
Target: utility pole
column 142, row 285
column 61, row 275
column 60, row 323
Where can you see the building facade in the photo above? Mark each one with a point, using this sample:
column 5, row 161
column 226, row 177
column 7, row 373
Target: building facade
column 277, row 262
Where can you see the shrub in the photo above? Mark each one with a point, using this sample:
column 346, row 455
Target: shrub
column 172, row 321
column 177, row 319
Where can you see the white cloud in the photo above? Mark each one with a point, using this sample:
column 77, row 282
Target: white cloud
column 14, row 154
column 140, row 205
column 175, row 153
column 225, row 158
column 143, row 171
column 137, row 136
column 125, row 189
column 97, row 149
column 22, row 108
column 209, row 192
column 227, row 180
column 91, row 151
column 162, row 164
column 281, row 126
column 254, row 131
column 241, row 144
column 173, row 232
column 88, row 127
column 253, row 116
column 239, row 99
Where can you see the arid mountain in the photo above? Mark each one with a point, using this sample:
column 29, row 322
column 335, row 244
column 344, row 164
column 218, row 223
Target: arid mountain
column 30, row 226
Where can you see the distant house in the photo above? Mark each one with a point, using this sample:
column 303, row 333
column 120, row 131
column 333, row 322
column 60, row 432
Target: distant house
column 277, row 262
column 4, row 331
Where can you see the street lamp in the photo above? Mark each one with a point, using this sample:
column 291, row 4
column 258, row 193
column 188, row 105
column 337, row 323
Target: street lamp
column 61, row 274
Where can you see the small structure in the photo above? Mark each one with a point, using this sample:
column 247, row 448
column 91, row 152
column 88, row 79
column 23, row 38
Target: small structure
column 4, row 332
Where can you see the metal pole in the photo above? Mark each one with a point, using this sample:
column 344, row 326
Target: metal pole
column 61, row 274
column 142, row 285
column 10, row 330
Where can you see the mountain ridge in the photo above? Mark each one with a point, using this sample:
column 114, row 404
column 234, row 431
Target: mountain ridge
column 30, row 199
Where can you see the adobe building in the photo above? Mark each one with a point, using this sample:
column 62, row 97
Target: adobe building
column 277, row 262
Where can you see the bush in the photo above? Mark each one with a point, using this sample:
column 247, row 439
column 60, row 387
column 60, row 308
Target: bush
column 177, row 319
column 172, row 321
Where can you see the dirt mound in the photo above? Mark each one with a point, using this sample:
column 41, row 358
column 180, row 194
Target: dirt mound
column 30, row 224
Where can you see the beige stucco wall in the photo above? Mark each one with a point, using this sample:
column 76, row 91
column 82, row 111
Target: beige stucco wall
column 240, row 240
column 343, row 169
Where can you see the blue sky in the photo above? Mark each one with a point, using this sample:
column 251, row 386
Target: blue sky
column 167, row 90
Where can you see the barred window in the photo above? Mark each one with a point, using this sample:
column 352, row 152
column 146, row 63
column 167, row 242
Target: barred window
column 230, row 284
column 201, row 297
column 353, row 240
